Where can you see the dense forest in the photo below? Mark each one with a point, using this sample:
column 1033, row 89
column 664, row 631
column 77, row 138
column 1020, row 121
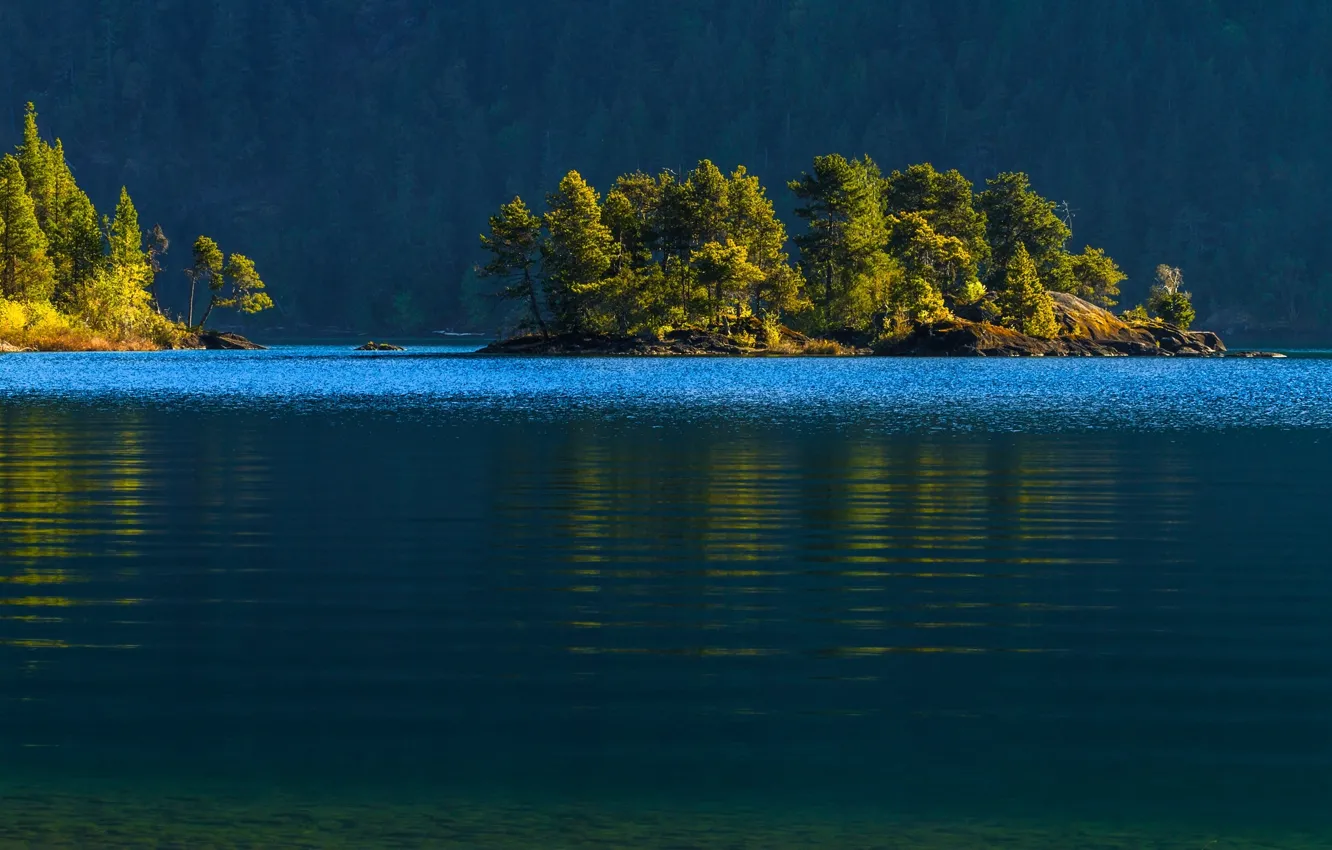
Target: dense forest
column 355, row 147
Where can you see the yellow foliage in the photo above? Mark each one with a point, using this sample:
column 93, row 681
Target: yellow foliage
column 13, row 319
column 45, row 320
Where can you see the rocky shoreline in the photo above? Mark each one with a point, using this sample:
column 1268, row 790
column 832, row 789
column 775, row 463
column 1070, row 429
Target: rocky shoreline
column 1085, row 330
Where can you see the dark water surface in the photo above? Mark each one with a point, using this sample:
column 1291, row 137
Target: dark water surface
column 306, row 598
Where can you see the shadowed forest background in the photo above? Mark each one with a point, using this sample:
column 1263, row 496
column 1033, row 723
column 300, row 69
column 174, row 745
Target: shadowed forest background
column 356, row 147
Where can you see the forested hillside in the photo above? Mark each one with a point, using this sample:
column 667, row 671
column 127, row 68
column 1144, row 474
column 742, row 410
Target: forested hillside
column 357, row 147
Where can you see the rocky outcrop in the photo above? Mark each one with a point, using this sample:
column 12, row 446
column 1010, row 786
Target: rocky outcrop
column 379, row 346
column 1085, row 330
column 746, row 338
column 684, row 342
column 214, row 341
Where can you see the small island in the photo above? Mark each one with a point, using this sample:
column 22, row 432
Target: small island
column 71, row 281
column 912, row 263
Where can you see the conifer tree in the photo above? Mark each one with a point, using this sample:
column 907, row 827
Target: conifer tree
column 1027, row 307
column 753, row 224
column 725, row 270
column 943, row 263
column 206, row 269
column 35, row 157
column 515, row 245
column 708, row 198
column 124, row 236
column 578, row 253
column 26, row 271
column 1168, row 301
column 946, row 200
column 842, row 251
column 1096, row 275
column 128, row 265
column 75, row 237
column 243, row 290
column 1017, row 216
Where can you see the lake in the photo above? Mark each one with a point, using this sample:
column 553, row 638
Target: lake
column 306, row 597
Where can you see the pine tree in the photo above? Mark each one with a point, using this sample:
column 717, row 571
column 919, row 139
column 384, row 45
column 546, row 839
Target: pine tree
column 1015, row 216
column 842, row 252
column 578, row 253
column 1096, row 275
column 1168, row 301
column 515, row 244
column 242, row 289
column 753, row 224
column 942, row 262
column 128, row 264
column 35, row 158
column 124, row 235
column 946, row 200
column 26, row 272
column 725, row 270
column 206, row 269
column 1027, row 307
column 76, row 239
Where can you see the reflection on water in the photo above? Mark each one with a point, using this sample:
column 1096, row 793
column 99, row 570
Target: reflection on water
column 710, row 630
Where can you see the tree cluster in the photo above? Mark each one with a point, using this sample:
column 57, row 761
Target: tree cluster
column 65, row 271
column 878, row 254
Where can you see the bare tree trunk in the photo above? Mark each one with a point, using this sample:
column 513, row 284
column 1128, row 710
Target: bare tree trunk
column 206, row 312
column 532, row 301
column 189, row 322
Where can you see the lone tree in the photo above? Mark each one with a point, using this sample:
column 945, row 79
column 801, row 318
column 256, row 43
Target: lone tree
column 231, row 284
column 1169, row 302
column 206, row 268
column 514, row 244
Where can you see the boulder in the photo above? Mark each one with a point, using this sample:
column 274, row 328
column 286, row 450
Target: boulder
column 379, row 346
column 214, row 341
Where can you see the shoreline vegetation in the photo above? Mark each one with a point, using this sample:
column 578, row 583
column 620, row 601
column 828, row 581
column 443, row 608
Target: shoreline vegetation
column 71, row 281
column 912, row 263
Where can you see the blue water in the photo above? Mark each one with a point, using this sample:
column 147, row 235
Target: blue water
column 1031, row 592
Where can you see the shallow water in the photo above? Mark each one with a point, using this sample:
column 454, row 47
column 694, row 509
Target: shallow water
column 434, row 599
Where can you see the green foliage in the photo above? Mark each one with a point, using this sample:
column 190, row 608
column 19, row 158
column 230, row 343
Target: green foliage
column 74, row 233
column 26, row 271
column 35, row 158
column 242, row 289
column 727, row 273
column 662, row 252
column 941, row 262
column 842, row 252
column 577, row 253
column 916, row 300
column 1136, row 315
column 1016, row 217
column 1168, row 301
column 1026, row 305
column 80, row 283
column 205, row 270
column 946, row 201
column 125, row 238
column 1095, row 276
column 514, row 245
